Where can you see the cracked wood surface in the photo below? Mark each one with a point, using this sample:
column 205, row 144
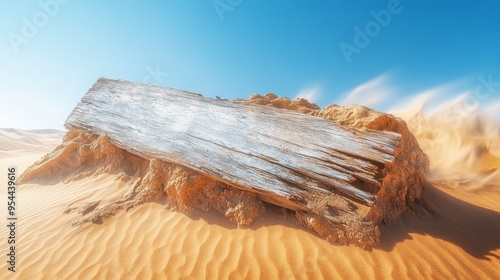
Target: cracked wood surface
column 293, row 160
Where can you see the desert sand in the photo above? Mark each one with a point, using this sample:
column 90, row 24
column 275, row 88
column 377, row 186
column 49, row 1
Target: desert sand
column 452, row 233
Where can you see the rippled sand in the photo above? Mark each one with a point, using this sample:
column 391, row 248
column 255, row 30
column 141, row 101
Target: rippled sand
column 452, row 234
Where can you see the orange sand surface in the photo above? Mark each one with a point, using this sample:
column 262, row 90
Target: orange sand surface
column 450, row 234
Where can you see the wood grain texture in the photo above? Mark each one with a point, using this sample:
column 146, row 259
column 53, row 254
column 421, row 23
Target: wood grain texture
column 289, row 159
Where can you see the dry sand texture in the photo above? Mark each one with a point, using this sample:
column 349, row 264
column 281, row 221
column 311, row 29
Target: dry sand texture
column 452, row 233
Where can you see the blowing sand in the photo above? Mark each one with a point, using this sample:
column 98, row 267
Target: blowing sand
column 452, row 234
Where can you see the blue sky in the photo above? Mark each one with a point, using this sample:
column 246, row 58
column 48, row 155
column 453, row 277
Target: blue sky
column 51, row 52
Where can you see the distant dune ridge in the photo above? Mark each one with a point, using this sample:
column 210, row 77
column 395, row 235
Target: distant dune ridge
column 28, row 140
column 83, row 154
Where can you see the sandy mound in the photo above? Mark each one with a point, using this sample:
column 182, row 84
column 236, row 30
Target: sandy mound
column 410, row 165
column 300, row 104
column 83, row 154
column 449, row 234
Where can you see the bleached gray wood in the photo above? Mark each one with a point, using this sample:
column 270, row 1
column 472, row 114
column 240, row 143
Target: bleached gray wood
column 289, row 159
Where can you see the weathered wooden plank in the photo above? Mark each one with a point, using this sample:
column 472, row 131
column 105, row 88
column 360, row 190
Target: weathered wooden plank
column 285, row 157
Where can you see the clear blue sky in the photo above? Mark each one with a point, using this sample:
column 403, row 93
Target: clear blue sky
column 234, row 48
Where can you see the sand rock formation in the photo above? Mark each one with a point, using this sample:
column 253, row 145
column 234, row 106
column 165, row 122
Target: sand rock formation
column 405, row 176
column 85, row 154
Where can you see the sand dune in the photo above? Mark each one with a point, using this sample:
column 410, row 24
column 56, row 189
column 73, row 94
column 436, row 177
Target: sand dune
column 29, row 141
column 451, row 234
